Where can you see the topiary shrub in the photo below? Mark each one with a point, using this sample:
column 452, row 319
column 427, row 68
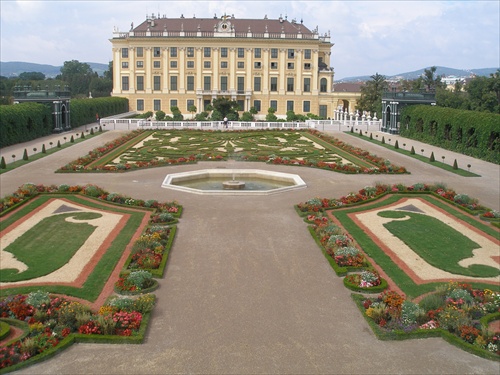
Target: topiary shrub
column 431, row 159
column 383, row 140
column 396, row 145
column 455, row 164
column 412, row 151
column 72, row 140
column 25, row 155
column 3, row 164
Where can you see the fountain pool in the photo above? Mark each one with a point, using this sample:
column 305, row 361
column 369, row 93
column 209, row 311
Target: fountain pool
column 233, row 182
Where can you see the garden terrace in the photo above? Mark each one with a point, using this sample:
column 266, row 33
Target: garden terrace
column 162, row 148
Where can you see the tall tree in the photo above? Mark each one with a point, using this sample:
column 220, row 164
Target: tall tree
column 482, row 95
column 371, row 94
column 78, row 76
column 32, row 76
column 224, row 107
column 430, row 81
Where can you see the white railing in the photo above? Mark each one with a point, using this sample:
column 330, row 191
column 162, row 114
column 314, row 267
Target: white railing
column 329, row 125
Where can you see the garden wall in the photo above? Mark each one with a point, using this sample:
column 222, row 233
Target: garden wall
column 472, row 133
column 27, row 121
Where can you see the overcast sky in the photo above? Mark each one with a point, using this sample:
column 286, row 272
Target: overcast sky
column 386, row 37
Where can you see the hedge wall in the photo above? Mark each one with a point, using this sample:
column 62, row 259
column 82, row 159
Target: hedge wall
column 476, row 134
column 24, row 122
column 83, row 111
column 27, row 121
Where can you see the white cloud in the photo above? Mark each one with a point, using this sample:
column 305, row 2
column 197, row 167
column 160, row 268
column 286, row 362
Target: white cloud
column 388, row 37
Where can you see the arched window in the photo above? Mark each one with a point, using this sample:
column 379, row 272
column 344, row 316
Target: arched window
column 322, row 85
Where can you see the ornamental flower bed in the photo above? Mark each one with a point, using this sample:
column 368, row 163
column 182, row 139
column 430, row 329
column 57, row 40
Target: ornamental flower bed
column 30, row 190
column 150, row 251
column 54, row 322
column 456, row 311
column 91, row 162
column 135, row 282
column 337, row 245
column 463, row 201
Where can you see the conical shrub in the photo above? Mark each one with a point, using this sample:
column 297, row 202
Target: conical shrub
column 3, row 164
column 412, row 151
column 383, row 140
column 72, row 140
column 431, row 159
column 455, row 164
column 44, row 151
column 396, row 145
column 25, row 155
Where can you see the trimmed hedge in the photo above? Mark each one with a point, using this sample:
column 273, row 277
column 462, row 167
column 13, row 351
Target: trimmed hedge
column 24, row 122
column 27, row 121
column 83, row 111
column 468, row 132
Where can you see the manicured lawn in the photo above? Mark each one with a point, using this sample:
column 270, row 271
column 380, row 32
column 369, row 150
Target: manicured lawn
column 436, row 242
column 415, row 240
column 48, row 245
column 53, row 242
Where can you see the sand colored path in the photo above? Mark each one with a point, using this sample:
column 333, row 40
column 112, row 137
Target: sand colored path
column 247, row 290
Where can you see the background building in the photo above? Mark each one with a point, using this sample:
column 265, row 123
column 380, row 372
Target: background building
column 259, row 63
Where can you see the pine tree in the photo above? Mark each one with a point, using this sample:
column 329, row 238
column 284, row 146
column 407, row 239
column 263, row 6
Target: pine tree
column 25, row 155
column 431, row 159
column 3, row 164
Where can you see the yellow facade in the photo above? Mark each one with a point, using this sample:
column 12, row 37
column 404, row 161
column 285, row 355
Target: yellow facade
column 266, row 63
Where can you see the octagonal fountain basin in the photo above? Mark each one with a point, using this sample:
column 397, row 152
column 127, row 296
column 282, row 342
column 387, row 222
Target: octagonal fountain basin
column 233, row 182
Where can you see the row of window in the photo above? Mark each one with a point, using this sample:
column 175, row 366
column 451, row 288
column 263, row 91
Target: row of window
column 207, row 52
column 208, row 65
column 290, row 105
column 207, row 84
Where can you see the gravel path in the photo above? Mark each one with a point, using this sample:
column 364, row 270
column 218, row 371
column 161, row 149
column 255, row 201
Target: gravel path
column 247, row 290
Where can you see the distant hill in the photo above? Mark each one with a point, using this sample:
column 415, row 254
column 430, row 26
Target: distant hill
column 440, row 71
column 14, row 68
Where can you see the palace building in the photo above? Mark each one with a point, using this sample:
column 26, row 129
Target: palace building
column 260, row 63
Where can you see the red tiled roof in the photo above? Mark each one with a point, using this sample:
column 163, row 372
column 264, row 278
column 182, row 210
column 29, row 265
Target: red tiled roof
column 207, row 24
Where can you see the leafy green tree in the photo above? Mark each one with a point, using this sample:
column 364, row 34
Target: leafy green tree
column 290, row 116
column 271, row 117
column 227, row 108
column 100, row 87
column 32, row 76
column 430, row 81
column 481, row 94
column 176, row 113
column 201, row 116
column 78, row 76
column 192, row 109
column 160, row 115
column 371, row 94
column 247, row 116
